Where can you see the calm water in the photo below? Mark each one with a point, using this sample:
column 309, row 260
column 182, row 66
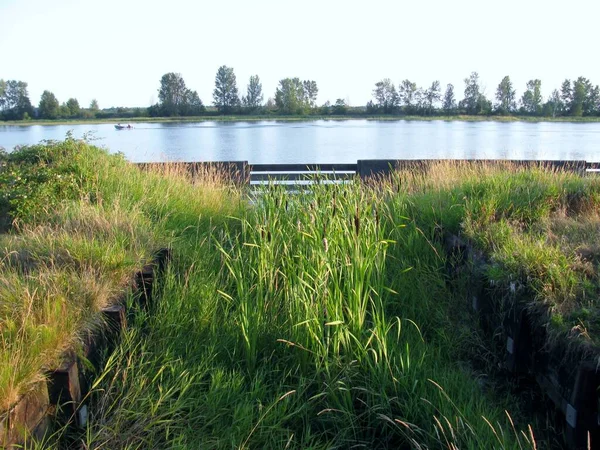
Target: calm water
column 329, row 141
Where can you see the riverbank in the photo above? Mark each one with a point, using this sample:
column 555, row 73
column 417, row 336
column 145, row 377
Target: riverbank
column 324, row 319
column 216, row 118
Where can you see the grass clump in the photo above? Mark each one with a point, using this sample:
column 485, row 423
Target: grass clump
column 55, row 278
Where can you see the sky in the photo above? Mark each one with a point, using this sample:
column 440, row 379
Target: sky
column 117, row 50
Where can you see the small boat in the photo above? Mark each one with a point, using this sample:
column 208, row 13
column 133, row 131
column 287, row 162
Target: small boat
column 123, row 127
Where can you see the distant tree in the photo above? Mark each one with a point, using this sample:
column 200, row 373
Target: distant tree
column 2, row 94
column 172, row 94
column 63, row 111
column 94, row 105
column 592, row 105
column 370, row 107
column 254, row 97
column 192, row 105
column 473, row 102
column 340, row 108
column 449, row 103
column 73, row 107
column 14, row 102
column 326, row 108
column 310, row 92
column 407, row 92
column 49, row 106
column 270, row 105
column 585, row 98
column 554, row 106
column 386, row 96
column 225, row 95
column 506, row 97
column 290, row 97
column 566, row 95
column 484, row 105
column 430, row 97
column 532, row 98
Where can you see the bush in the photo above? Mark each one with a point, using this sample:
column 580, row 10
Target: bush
column 33, row 179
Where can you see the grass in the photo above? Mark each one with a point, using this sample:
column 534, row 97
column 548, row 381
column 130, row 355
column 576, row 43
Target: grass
column 537, row 226
column 301, row 321
column 321, row 320
column 286, row 118
column 54, row 278
column 71, row 252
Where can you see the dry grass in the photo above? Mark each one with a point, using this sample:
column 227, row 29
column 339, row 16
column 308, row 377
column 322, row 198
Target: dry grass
column 55, row 277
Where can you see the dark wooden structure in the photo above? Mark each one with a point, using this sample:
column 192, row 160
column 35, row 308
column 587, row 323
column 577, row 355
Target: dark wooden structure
column 241, row 172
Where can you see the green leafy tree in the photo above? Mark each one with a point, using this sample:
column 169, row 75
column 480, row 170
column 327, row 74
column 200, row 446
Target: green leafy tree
column 74, row 108
column 593, row 101
column 192, row 105
column 2, row 94
column 430, row 97
column 290, row 97
column 49, row 106
column 254, row 97
column 554, row 106
column 386, row 96
column 532, row 98
column 585, row 97
column 15, row 103
column 94, row 107
column 506, row 97
column 225, row 95
column 566, row 95
column 449, row 102
column 474, row 101
column 63, row 111
column 172, row 94
column 340, row 108
column 270, row 105
column 311, row 91
column 407, row 92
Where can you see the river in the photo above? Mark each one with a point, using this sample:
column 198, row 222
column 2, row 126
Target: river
column 323, row 141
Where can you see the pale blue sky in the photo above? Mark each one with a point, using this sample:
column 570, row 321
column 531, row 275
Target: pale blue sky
column 117, row 50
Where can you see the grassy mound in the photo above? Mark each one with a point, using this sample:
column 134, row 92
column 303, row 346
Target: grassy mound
column 319, row 320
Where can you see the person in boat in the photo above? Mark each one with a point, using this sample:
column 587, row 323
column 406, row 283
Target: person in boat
column 128, row 126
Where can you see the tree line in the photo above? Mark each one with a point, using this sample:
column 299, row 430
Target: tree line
column 293, row 96
column 575, row 98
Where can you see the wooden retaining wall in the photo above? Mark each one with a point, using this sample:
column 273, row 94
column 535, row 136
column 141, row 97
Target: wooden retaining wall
column 568, row 373
column 241, row 172
column 65, row 388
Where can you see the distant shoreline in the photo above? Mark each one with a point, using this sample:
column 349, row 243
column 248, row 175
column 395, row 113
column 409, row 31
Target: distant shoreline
column 458, row 118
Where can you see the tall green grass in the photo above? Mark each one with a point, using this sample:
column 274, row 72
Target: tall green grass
column 317, row 320
column 320, row 320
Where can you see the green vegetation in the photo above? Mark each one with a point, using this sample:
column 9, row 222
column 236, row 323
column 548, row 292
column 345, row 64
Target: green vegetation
column 538, row 227
column 318, row 320
column 579, row 98
column 71, row 252
column 70, row 257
